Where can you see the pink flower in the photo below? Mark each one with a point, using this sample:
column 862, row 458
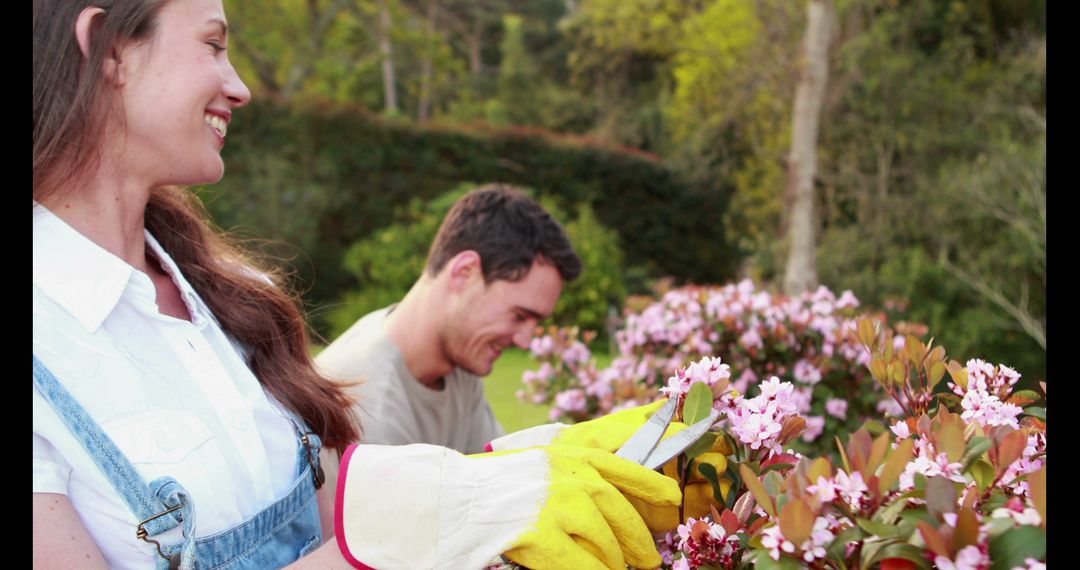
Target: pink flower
column 806, row 372
column 851, row 487
column 815, row 425
column 825, row 489
column 836, row 408
column 969, row 558
column 751, row 339
column 571, row 400
column 542, row 346
column 890, row 407
column 773, row 539
column 576, row 353
column 847, row 300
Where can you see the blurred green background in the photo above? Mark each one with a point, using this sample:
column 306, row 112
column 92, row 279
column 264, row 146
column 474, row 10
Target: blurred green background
column 661, row 129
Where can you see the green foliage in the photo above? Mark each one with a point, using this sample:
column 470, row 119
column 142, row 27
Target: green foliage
column 933, row 170
column 387, row 263
column 589, row 300
column 322, row 177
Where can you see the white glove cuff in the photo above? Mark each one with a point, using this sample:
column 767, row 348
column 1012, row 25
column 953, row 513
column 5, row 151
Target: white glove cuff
column 424, row 506
column 531, row 437
column 387, row 501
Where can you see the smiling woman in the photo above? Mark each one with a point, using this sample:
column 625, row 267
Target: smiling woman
column 139, row 341
column 172, row 379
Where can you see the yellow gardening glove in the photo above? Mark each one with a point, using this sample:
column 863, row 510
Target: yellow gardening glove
column 422, row 506
column 609, row 433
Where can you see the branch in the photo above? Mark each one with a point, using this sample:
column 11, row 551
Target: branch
column 1035, row 328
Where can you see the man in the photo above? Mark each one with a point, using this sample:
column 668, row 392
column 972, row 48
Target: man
column 496, row 268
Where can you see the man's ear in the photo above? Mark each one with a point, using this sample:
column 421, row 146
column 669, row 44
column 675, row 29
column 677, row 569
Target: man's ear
column 84, row 28
column 463, row 269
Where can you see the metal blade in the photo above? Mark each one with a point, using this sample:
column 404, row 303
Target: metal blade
column 641, row 444
column 678, row 443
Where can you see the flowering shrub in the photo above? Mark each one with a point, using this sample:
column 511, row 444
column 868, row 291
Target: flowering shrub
column 958, row 482
column 807, row 341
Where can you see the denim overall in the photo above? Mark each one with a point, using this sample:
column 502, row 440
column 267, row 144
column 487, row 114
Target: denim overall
column 274, row 537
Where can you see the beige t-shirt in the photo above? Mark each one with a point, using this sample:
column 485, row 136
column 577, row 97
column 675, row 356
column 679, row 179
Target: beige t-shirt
column 394, row 407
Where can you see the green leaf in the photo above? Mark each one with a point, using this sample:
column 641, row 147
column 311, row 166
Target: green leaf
column 757, row 489
column 708, row 471
column 773, row 482
column 838, row 548
column 762, row 561
column 950, row 439
column 901, row 550
column 889, row 514
column 703, row 445
column 874, row 427
column 779, row 467
column 952, row 401
column 975, row 448
column 983, row 473
column 1036, row 412
column 915, row 515
column 1011, row 547
column 698, row 403
column 1023, row 397
column 882, row 530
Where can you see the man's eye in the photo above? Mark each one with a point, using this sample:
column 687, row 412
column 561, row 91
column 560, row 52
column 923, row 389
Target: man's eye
column 218, row 48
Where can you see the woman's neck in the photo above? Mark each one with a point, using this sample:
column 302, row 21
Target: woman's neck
column 109, row 212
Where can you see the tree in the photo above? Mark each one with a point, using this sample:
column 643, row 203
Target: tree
column 801, row 272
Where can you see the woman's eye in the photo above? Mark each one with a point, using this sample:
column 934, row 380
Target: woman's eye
column 218, row 48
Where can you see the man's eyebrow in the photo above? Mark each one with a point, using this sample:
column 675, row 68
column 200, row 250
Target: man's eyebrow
column 530, row 312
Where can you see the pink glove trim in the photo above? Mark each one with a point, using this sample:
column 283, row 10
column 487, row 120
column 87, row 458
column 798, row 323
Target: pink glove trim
column 487, row 447
column 339, row 526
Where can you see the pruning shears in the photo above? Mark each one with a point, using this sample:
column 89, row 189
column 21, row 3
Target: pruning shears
column 645, row 446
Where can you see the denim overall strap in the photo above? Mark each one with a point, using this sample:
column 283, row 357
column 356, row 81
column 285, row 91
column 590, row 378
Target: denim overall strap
column 274, row 537
column 108, row 457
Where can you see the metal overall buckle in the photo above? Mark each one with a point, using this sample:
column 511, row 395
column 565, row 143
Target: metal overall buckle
column 316, row 466
column 141, row 534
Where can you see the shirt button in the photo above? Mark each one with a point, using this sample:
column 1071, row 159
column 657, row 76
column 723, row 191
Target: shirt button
column 166, row 441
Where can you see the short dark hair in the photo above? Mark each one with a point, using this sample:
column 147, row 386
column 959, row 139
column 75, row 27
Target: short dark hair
column 508, row 229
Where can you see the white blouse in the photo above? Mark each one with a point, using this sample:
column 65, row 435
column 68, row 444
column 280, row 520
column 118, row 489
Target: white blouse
column 175, row 396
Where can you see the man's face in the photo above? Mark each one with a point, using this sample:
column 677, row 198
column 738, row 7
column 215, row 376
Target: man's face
column 492, row 317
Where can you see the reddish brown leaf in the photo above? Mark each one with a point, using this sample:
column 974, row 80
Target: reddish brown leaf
column 895, row 465
column 967, row 529
column 729, row 522
column 797, row 521
column 933, row 539
column 1010, row 449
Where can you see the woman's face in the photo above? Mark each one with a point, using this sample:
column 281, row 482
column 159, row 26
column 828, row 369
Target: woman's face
column 178, row 90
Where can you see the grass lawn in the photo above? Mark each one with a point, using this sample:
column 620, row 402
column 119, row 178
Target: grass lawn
column 505, row 380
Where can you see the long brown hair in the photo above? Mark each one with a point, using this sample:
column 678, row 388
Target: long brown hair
column 70, row 106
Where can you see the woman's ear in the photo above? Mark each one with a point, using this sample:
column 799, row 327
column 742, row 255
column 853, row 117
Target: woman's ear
column 84, row 28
